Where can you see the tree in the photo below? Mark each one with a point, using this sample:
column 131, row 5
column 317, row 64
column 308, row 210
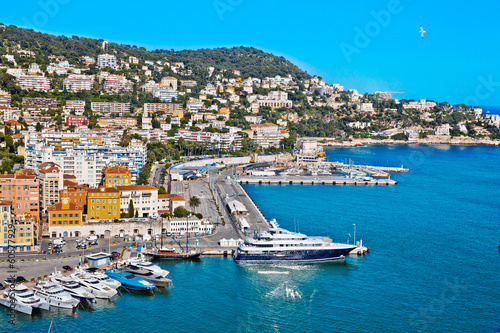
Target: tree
column 38, row 127
column 162, row 190
column 180, row 211
column 136, row 214
column 194, row 202
column 130, row 209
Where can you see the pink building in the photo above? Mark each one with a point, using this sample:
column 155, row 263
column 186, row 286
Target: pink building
column 76, row 120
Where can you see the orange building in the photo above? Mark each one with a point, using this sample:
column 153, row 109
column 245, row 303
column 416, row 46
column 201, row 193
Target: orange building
column 77, row 194
column 63, row 216
column 22, row 188
column 116, row 175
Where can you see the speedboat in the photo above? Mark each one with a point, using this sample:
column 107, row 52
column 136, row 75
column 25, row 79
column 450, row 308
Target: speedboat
column 172, row 254
column 278, row 244
column 147, row 265
column 55, row 295
column 22, row 299
column 74, row 289
column 158, row 280
column 129, row 280
column 94, row 286
column 103, row 278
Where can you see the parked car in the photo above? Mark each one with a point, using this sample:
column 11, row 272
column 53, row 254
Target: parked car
column 1, row 286
column 102, row 235
column 115, row 254
column 9, row 281
column 20, row 279
column 68, row 268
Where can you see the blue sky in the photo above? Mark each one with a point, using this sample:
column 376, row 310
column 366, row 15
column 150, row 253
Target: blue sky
column 365, row 45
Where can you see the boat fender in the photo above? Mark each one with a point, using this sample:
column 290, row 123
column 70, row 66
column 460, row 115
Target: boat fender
column 359, row 253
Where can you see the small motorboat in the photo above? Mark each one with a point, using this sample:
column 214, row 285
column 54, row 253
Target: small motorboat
column 147, row 265
column 129, row 280
column 112, row 283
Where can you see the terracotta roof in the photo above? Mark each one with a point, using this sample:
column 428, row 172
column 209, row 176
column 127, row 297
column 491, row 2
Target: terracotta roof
column 66, row 176
column 164, row 196
column 103, row 190
column 136, row 188
column 18, row 136
column 50, row 170
column 5, row 203
column 48, row 164
column 58, row 207
column 116, row 169
column 177, row 198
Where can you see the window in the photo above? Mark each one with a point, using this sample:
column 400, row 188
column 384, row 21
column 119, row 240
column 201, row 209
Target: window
column 59, row 215
column 65, row 222
column 76, row 214
column 65, row 215
column 59, row 222
column 54, row 216
column 70, row 221
column 70, row 215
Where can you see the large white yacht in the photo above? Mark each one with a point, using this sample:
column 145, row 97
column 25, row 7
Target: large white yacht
column 103, row 278
column 74, row 289
column 55, row 295
column 278, row 244
column 94, row 286
column 22, row 299
column 147, row 265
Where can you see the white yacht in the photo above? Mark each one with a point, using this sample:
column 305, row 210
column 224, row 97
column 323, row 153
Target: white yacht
column 55, row 295
column 278, row 244
column 94, row 286
column 147, row 265
column 23, row 300
column 74, row 289
column 106, row 280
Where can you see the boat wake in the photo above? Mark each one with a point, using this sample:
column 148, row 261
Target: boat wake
column 285, row 291
column 272, row 272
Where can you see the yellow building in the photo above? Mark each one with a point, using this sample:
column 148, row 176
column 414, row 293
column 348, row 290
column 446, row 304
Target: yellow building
column 5, row 217
column 116, row 176
column 26, row 232
column 178, row 113
column 64, row 215
column 103, row 203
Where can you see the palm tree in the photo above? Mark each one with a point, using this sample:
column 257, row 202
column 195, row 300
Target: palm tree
column 194, row 202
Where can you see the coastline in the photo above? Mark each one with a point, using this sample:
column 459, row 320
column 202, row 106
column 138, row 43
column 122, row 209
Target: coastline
column 431, row 140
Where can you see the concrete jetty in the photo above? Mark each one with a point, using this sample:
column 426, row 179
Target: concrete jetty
column 310, row 180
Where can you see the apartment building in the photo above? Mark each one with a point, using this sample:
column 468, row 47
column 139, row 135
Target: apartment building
column 77, row 106
column 76, row 83
column 188, row 83
column 76, row 120
column 5, row 99
column 50, row 177
column 39, row 103
column 169, row 82
column 34, row 82
column 103, row 203
column 267, row 134
column 109, row 107
column 226, row 141
column 195, row 105
column 87, row 60
column 116, row 175
column 5, row 219
column 77, row 194
column 165, row 95
column 63, row 217
column 22, row 189
column 116, row 122
column 106, row 60
column 162, row 107
column 143, row 197
column 274, row 100
column 133, row 60
column 117, row 84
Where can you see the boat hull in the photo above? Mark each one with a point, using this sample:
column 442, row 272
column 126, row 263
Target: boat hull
column 294, row 256
column 176, row 257
column 16, row 306
column 58, row 304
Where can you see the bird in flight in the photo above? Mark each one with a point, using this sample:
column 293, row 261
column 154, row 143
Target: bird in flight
column 422, row 31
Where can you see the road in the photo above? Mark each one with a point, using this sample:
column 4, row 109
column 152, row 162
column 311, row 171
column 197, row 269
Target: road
column 155, row 177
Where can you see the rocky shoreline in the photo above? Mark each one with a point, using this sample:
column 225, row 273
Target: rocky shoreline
column 431, row 140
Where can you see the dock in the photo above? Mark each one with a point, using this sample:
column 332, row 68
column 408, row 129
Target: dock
column 310, row 180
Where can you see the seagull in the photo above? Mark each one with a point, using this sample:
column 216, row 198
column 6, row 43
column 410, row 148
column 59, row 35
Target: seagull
column 422, row 31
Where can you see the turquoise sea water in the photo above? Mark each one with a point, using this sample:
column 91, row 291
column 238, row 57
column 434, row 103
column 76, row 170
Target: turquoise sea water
column 433, row 265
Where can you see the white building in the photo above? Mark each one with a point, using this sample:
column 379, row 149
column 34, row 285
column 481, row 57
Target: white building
column 165, row 95
column 106, row 60
column 34, row 82
column 366, row 107
column 144, row 198
column 421, row 105
column 75, row 83
column 191, row 224
column 77, row 106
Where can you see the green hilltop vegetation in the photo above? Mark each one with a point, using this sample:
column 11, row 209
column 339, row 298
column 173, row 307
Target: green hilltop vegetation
column 250, row 61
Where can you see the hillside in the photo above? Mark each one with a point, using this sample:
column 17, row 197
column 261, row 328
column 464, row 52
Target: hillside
column 249, row 60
